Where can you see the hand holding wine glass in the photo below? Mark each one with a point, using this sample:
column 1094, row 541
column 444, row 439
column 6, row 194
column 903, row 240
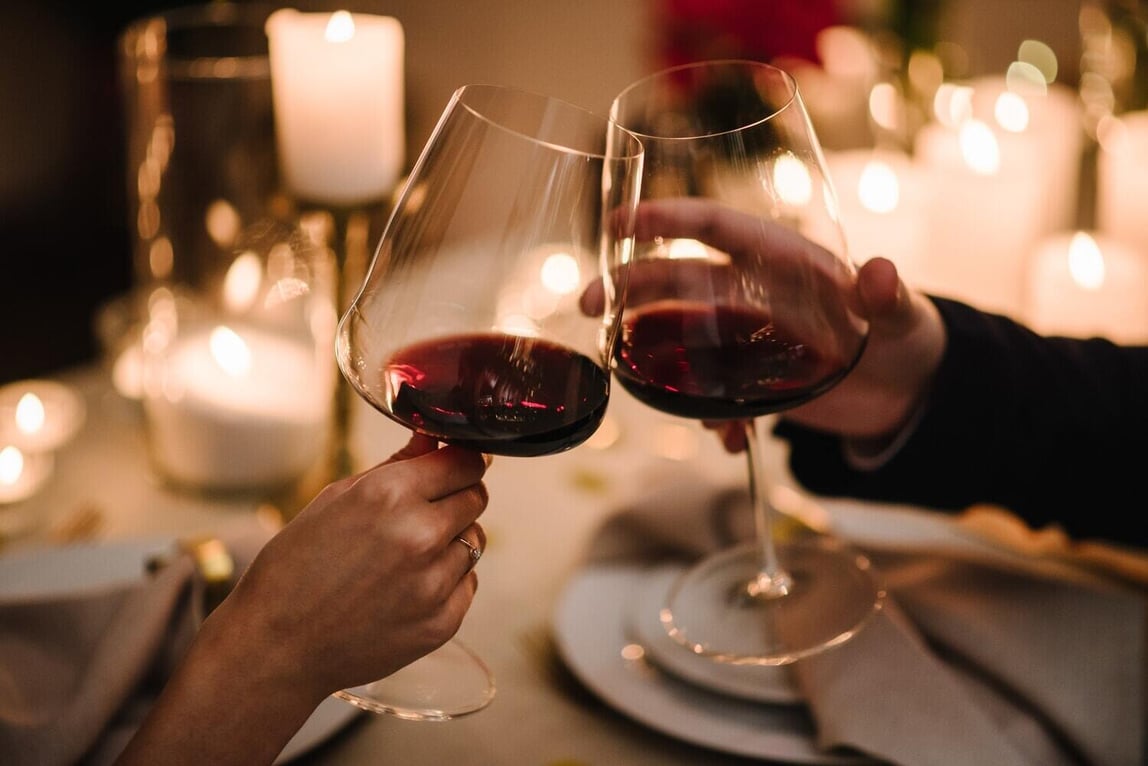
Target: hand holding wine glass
column 906, row 335
column 467, row 328
column 741, row 304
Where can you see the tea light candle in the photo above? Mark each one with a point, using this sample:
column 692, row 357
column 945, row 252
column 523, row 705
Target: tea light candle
column 1084, row 284
column 232, row 409
column 1122, row 183
column 22, row 476
column 337, row 86
column 39, row 415
column 884, row 203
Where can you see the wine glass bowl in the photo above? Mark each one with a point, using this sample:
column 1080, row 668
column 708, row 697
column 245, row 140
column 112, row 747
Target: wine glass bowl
column 740, row 304
column 469, row 326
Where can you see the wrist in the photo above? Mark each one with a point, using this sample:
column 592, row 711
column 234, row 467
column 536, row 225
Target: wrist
column 871, row 453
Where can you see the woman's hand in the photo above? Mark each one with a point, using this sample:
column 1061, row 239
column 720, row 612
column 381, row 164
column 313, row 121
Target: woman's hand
column 369, row 576
column 366, row 579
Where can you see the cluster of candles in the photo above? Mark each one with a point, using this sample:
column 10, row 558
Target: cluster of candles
column 983, row 205
column 37, row 418
column 231, row 403
column 238, row 398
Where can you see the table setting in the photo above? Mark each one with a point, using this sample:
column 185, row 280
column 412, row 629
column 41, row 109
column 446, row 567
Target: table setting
column 962, row 631
column 555, row 617
column 588, row 300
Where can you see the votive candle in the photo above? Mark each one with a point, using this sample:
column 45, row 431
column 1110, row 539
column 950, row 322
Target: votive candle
column 236, row 408
column 39, row 415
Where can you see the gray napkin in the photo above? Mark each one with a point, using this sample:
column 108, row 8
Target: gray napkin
column 78, row 671
column 970, row 661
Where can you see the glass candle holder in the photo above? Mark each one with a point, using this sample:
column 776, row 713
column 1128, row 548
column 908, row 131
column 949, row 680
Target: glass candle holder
column 200, row 136
column 237, row 375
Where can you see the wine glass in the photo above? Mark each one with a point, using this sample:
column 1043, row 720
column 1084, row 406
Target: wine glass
column 468, row 326
column 739, row 306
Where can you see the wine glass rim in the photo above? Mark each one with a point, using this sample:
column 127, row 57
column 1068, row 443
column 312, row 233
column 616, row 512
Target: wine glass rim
column 786, row 78
column 632, row 151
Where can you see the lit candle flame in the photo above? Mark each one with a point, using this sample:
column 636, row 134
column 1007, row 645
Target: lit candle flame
column 230, row 351
column 241, row 285
column 1011, row 112
column 340, row 28
column 878, row 188
column 560, row 273
column 30, row 414
column 979, row 147
column 792, row 181
column 11, row 465
column 1085, row 261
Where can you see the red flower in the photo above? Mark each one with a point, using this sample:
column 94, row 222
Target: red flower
column 762, row 30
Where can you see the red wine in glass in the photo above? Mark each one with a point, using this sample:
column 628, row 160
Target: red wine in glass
column 495, row 393
column 720, row 362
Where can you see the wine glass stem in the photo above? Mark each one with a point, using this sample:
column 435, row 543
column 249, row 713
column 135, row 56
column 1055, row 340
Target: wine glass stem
column 771, row 580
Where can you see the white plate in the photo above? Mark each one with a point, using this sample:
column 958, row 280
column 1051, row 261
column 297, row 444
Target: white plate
column 757, row 683
column 78, row 568
column 590, row 630
column 331, row 716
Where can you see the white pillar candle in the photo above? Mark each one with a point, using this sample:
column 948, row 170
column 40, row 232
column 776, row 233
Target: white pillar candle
column 236, row 408
column 1084, row 285
column 39, row 415
column 985, row 217
column 1122, row 179
column 884, row 202
column 337, row 85
column 1041, row 128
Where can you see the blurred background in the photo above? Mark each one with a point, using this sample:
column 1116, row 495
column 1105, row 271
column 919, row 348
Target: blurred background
column 63, row 188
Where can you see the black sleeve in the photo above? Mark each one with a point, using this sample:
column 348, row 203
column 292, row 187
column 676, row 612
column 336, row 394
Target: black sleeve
column 1055, row 429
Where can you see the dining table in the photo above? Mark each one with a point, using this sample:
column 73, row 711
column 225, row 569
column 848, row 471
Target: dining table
column 542, row 515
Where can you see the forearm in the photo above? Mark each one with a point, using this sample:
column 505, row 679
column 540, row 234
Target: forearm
column 231, row 701
column 1051, row 428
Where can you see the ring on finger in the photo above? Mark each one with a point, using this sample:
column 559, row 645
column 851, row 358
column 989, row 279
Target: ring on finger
column 475, row 551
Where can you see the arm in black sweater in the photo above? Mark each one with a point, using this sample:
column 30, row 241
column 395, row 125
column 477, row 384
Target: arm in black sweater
column 1054, row 429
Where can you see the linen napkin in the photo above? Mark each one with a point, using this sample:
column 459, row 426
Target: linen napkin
column 79, row 670
column 972, row 660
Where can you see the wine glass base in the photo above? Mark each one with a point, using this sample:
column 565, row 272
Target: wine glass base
column 834, row 594
column 450, row 682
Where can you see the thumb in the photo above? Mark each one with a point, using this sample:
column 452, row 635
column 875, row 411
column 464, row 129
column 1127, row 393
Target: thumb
column 887, row 301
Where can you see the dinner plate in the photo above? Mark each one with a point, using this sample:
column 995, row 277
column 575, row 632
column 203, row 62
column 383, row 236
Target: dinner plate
column 757, row 683
column 590, row 625
column 75, row 569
